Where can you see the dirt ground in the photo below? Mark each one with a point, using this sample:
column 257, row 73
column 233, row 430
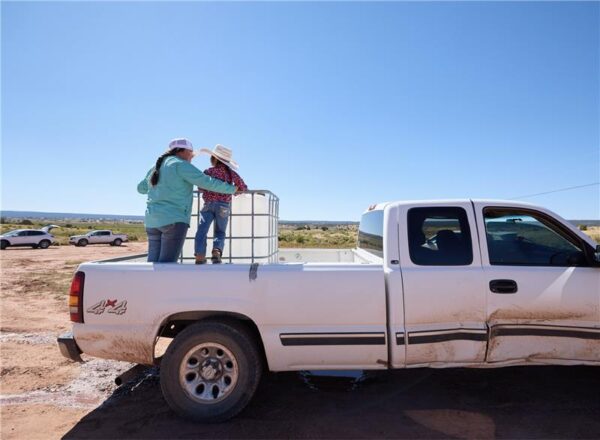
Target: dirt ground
column 44, row 395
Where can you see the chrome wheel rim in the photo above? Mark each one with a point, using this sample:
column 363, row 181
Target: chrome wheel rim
column 208, row 373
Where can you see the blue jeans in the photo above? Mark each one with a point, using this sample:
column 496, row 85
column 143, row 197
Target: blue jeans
column 219, row 212
column 165, row 243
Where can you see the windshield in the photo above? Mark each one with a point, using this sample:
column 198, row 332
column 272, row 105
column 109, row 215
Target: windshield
column 370, row 233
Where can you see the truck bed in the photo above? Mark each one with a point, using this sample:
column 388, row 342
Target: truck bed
column 285, row 301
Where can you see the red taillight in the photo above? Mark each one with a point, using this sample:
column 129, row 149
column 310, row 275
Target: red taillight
column 76, row 297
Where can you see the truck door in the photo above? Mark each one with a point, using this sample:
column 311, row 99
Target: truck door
column 543, row 289
column 444, row 290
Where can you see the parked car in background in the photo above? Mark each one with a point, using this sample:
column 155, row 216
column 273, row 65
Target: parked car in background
column 99, row 237
column 36, row 238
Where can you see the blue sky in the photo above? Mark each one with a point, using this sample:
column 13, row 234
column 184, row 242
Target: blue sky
column 332, row 106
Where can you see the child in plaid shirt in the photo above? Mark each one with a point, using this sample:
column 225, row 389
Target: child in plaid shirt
column 217, row 206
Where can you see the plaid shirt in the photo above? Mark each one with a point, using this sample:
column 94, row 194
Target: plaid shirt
column 222, row 172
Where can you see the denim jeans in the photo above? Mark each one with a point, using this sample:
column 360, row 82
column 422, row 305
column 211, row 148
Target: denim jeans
column 219, row 212
column 165, row 243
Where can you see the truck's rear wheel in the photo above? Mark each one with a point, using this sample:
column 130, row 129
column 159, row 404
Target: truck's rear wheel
column 44, row 244
column 82, row 242
column 117, row 242
column 210, row 371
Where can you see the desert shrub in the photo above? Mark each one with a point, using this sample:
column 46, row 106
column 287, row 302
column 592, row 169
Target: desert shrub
column 300, row 239
column 583, row 227
column 324, row 228
column 26, row 221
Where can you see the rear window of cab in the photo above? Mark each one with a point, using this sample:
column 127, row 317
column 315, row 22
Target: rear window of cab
column 370, row 232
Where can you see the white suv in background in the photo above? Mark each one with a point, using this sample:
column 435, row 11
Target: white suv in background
column 36, row 238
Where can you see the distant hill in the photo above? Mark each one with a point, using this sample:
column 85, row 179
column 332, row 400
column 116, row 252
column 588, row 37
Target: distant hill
column 116, row 217
column 68, row 216
column 315, row 222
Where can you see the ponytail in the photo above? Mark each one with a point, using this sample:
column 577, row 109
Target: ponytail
column 156, row 173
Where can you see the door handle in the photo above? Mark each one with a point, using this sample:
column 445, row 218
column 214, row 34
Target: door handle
column 503, row 286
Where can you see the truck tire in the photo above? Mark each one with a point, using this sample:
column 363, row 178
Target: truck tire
column 44, row 244
column 210, row 371
column 117, row 242
column 82, row 242
column 3, row 244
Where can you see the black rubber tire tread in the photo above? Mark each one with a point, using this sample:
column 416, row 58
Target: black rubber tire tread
column 44, row 247
column 3, row 244
column 240, row 342
column 83, row 242
column 117, row 242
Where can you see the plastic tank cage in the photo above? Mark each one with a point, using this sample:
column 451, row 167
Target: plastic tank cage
column 252, row 230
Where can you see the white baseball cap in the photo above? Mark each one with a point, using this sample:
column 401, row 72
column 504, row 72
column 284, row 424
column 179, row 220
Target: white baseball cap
column 181, row 143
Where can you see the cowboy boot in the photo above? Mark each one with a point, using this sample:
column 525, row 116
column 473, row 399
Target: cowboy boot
column 216, row 256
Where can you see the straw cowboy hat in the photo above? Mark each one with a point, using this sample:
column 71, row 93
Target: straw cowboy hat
column 223, row 154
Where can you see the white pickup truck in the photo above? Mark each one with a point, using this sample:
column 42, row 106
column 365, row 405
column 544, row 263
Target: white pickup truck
column 99, row 237
column 459, row 283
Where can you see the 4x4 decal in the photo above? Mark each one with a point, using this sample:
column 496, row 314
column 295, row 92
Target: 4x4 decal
column 110, row 305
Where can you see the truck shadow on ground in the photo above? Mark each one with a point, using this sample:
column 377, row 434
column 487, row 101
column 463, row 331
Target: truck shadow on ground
column 516, row 402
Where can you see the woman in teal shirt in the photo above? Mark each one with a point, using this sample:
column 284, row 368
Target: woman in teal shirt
column 169, row 185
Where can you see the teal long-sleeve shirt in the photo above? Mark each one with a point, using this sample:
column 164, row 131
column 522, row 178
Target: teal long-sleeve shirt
column 170, row 200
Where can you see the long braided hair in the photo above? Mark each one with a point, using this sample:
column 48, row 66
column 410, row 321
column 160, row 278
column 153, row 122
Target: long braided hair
column 159, row 161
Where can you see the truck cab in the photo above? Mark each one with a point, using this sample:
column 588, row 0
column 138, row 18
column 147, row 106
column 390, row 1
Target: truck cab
column 490, row 282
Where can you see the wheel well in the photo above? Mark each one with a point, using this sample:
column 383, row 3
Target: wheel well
column 174, row 324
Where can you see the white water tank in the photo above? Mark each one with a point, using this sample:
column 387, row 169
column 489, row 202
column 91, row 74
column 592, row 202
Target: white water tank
column 252, row 230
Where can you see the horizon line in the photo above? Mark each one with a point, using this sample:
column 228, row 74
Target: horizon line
column 109, row 216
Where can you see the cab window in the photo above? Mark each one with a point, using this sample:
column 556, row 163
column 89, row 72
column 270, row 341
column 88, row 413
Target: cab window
column 439, row 236
column 370, row 233
column 524, row 238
